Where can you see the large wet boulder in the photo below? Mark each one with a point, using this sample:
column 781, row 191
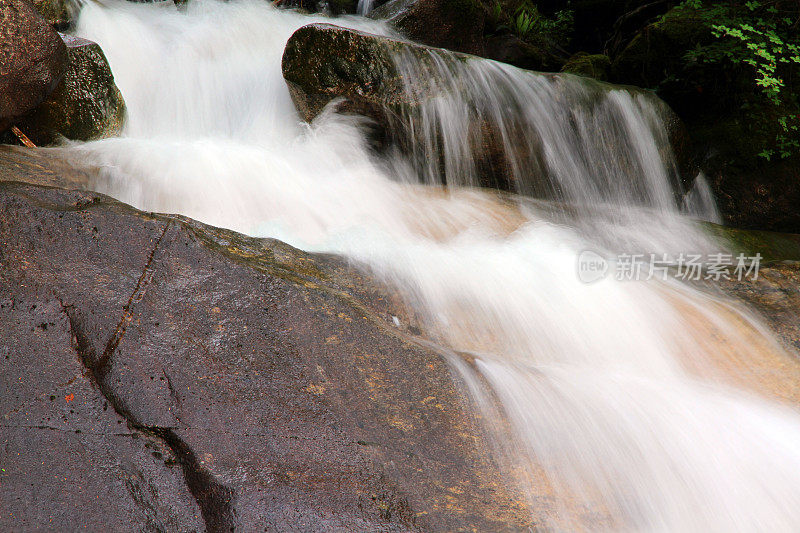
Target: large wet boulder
column 162, row 375
column 33, row 59
column 86, row 104
column 323, row 63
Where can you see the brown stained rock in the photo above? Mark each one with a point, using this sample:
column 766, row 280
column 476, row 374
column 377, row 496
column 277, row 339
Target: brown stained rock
column 86, row 104
column 775, row 293
column 251, row 387
column 32, row 59
column 48, row 167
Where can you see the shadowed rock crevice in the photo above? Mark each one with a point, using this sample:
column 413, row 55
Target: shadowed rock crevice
column 214, row 498
column 101, row 365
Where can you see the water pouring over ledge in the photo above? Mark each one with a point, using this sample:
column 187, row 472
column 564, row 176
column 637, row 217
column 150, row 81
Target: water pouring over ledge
column 638, row 405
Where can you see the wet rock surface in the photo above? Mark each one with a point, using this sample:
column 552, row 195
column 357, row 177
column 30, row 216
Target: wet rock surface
column 164, row 375
column 32, row 60
column 776, row 296
column 353, row 65
column 775, row 292
column 86, row 104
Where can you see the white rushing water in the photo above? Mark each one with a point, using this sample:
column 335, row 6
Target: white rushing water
column 633, row 400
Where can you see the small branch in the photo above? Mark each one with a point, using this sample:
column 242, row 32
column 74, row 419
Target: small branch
column 22, row 137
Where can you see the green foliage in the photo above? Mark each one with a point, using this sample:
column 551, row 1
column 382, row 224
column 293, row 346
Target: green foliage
column 760, row 36
column 530, row 24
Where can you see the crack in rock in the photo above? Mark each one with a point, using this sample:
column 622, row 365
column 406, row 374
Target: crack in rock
column 127, row 312
column 213, row 498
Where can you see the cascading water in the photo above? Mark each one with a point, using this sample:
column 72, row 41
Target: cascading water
column 364, row 7
column 559, row 136
column 631, row 405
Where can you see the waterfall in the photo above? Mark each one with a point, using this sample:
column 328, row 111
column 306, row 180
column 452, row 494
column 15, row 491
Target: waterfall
column 364, row 7
column 559, row 136
column 630, row 405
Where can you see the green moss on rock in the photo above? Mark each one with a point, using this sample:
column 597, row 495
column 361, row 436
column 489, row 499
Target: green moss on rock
column 590, row 65
column 771, row 245
column 323, row 62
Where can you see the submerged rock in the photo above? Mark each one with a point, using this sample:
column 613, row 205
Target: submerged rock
column 33, row 59
column 86, row 104
column 160, row 374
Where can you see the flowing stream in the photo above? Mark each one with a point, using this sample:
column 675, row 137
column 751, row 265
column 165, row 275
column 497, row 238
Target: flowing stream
column 630, row 405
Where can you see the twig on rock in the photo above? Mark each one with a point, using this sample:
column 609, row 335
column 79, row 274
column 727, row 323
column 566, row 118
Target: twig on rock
column 22, row 137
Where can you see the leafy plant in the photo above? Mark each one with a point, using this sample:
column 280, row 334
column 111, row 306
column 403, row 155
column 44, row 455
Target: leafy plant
column 530, row 24
column 761, row 36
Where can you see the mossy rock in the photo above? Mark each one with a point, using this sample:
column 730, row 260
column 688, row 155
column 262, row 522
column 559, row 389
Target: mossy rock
column 772, row 246
column 323, row 62
column 86, row 104
column 595, row 66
